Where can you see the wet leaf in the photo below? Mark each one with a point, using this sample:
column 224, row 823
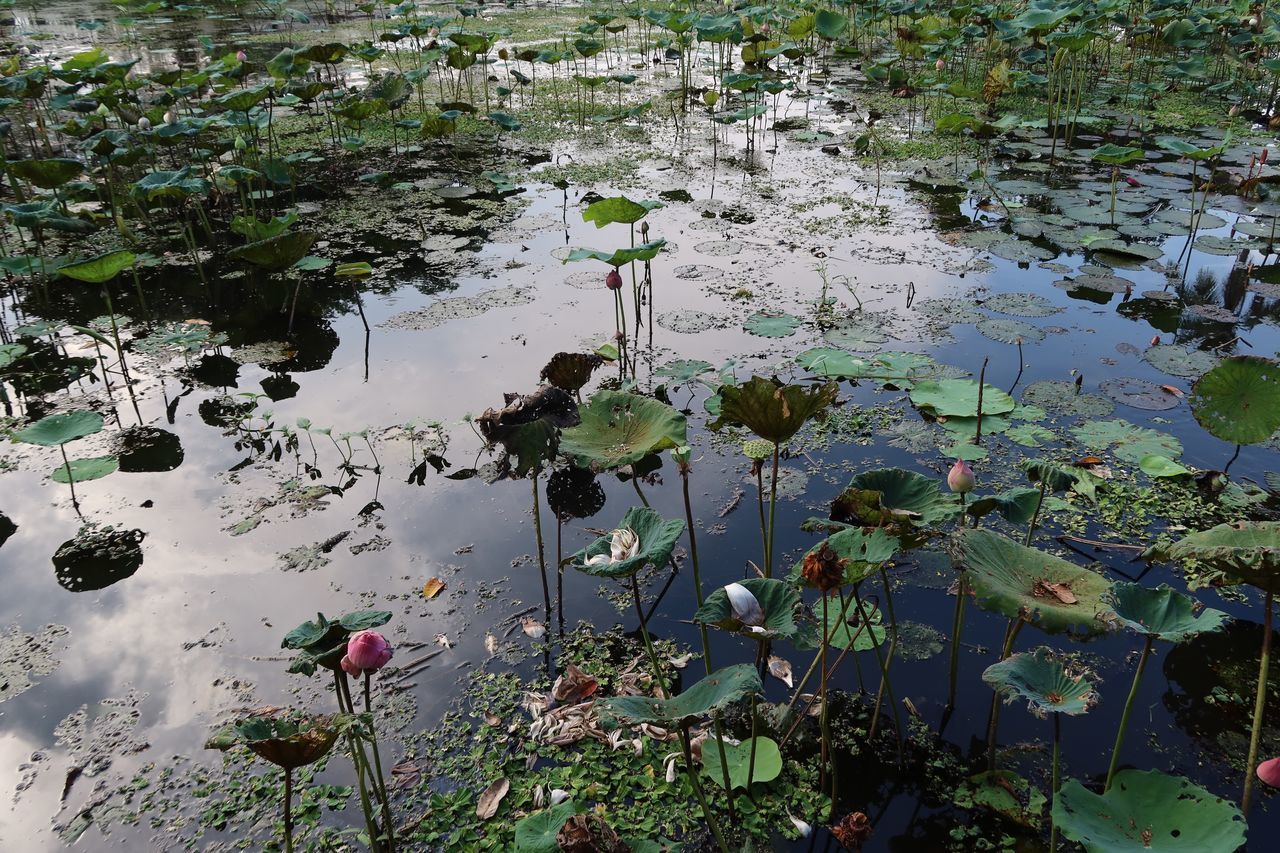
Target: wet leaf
column 432, row 588
column 491, row 798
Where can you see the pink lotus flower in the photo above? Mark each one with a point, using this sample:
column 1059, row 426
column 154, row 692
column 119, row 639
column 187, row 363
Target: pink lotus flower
column 367, row 651
column 1269, row 772
column 960, row 478
column 241, row 56
column 613, row 280
column 1131, row 181
column 940, row 65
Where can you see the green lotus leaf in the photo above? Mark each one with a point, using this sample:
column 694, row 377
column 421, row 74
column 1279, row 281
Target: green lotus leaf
column 10, row 354
column 288, row 741
column 772, row 324
column 830, row 25
column 1185, row 149
column 643, row 252
column 84, row 470
column 607, row 211
column 895, row 367
column 1156, row 465
column 716, row 692
column 902, row 496
column 866, row 550
column 684, row 369
column 768, row 762
column 771, row 410
column 59, row 429
column 241, row 100
column 657, row 535
column 619, row 428
column 1115, row 155
column 276, row 253
column 1239, row 399
column 1128, row 441
column 1146, row 811
column 1017, row 505
column 1059, row 478
column 100, row 269
column 1040, row 677
column 48, row 174
column 1047, row 591
column 537, row 832
column 1004, row 792
column 959, row 397
column 842, row 630
column 778, row 599
column 1162, row 612
column 1248, row 550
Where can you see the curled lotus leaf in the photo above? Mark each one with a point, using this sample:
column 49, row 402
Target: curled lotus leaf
column 863, row 550
column 1040, row 677
column 715, row 692
column 1247, row 550
column 777, row 598
column 888, row 495
column 657, row 535
column 1239, row 399
column 619, row 428
column 1162, row 612
column 770, row 409
column 528, row 427
column 571, row 370
column 276, row 253
column 288, row 740
column 1146, row 810
column 1047, row 591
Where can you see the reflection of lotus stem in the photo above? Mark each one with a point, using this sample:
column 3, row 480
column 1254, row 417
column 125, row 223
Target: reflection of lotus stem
column 817, row 657
column 697, row 787
column 560, row 573
column 1259, row 703
column 1010, row 634
column 1057, row 743
column 1124, row 717
column 288, row 815
column 884, row 671
column 823, row 721
column 773, row 506
column 379, row 780
column 542, row 560
column 635, row 483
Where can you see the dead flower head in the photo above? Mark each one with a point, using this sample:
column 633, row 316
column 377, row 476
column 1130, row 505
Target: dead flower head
column 823, row 569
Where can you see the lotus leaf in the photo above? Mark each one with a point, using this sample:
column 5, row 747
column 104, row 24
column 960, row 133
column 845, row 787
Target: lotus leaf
column 287, row 741
column 772, row 325
column 896, row 367
column 536, row 833
column 571, row 370
column 84, row 470
column 1239, row 399
column 619, row 428
column 643, row 252
column 1040, row 677
column 60, row 429
column 777, row 598
column 1162, row 612
column 1017, row 581
column 771, row 410
column 959, row 397
column 48, row 174
column 100, row 269
column 716, row 692
column 607, row 211
column 657, row 536
column 276, row 253
column 768, row 762
column 1248, row 550
column 903, row 495
column 1004, row 792
column 1149, row 812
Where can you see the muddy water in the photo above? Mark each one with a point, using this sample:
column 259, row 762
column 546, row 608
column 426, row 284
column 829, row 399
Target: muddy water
column 240, row 547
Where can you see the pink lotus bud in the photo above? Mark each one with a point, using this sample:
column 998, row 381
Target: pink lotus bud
column 1269, row 772
column 613, row 280
column 367, row 651
column 1155, row 340
column 960, row 478
column 1131, row 181
column 1234, row 111
column 241, row 56
column 764, row 29
column 940, row 64
column 1263, row 159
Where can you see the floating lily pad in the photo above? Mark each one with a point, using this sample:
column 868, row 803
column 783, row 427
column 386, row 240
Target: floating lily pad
column 1215, row 313
column 537, row 832
column 1030, row 435
column 1162, row 466
column 1021, row 251
column 1047, row 591
column 768, row 325
column 689, row 322
column 1139, row 393
column 1064, row 398
column 1021, row 304
column 1005, row 793
column 619, row 428
column 899, row 368
column 58, row 429
column 719, row 248
column 697, row 272
column 1131, row 442
column 959, row 397
column 857, row 335
column 460, row 307
column 1145, row 251
column 1149, row 811
column 1008, row 331
column 1178, row 361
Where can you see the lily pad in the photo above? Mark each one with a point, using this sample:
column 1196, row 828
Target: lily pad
column 1009, row 331
column 1156, row 465
column 1162, row 612
column 1139, row 393
column 959, row 397
column 619, row 428
column 1040, row 677
column 100, row 269
column 895, row 367
column 1030, row 435
column 657, row 537
column 1149, row 811
column 1064, row 398
column 1021, row 304
column 536, row 833
column 1239, row 399
column 1005, row 793
column 772, row 325
column 1177, row 361
column 716, row 692
column 1049, row 592
column 768, row 761
column 1128, row 441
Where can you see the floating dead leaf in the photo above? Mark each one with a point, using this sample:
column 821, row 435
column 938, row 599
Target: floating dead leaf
column 443, row 641
column 405, row 774
column 432, row 588
column 1172, row 389
column 781, row 670
column 492, row 719
column 573, row 686
column 682, row 661
column 490, row 644
column 533, row 629
column 1051, row 589
column 487, row 805
column 1087, row 461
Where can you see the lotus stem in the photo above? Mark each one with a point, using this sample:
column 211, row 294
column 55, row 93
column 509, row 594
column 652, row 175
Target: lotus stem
column 773, row 507
column 288, row 814
column 957, row 627
column 893, row 646
column 764, row 530
column 1259, row 704
column 696, row 784
column 1035, row 516
column 357, row 757
column 379, row 780
column 1057, row 746
column 884, row 670
column 71, row 481
column 1124, row 717
column 824, row 720
column 542, row 559
column 1010, row 634
column 648, row 644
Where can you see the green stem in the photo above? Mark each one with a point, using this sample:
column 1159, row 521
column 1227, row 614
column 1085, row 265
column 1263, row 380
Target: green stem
column 1010, row 634
column 773, row 507
column 1259, row 704
column 1124, row 717
column 648, row 644
column 357, row 757
column 288, row 814
column 712, row 823
column 884, row 669
column 379, row 780
column 1057, row 745
column 824, row 720
column 542, row 559
column 1031, row 528
column 764, row 530
column 957, row 627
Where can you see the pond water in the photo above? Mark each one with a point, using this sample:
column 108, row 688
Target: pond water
column 314, row 450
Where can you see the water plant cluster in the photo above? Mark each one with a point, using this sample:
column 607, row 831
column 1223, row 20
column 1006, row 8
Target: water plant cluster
column 168, row 224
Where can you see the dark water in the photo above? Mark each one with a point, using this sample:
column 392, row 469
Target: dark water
column 191, row 634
